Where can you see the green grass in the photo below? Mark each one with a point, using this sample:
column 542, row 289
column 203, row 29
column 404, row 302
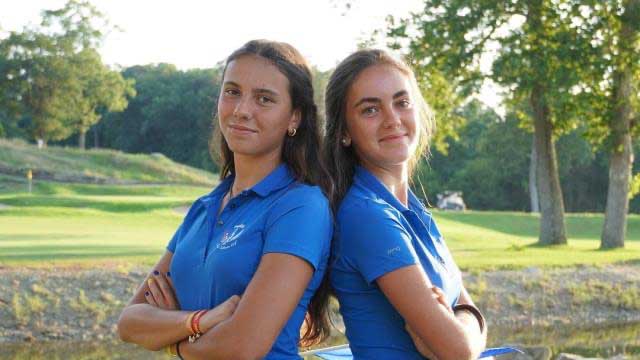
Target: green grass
column 95, row 166
column 480, row 240
column 83, row 224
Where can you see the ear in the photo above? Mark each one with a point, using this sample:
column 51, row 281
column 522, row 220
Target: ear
column 345, row 140
column 294, row 121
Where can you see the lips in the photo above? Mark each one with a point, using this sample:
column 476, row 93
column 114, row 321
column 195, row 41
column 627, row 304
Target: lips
column 393, row 137
column 241, row 129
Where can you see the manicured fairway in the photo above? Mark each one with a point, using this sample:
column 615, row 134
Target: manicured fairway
column 88, row 224
column 76, row 224
column 507, row 239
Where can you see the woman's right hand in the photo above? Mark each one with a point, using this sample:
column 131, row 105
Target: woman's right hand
column 219, row 313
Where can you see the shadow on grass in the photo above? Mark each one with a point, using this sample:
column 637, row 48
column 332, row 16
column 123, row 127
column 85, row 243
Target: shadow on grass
column 73, row 252
column 39, row 237
column 71, row 202
column 579, row 226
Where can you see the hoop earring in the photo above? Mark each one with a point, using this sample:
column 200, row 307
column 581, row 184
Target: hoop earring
column 292, row 132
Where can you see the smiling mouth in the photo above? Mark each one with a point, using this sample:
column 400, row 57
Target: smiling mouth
column 241, row 129
column 393, row 137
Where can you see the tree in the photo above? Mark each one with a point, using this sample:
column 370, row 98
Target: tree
column 172, row 113
column 612, row 89
column 538, row 62
column 97, row 89
column 488, row 164
column 54, row 77
column 34, row 81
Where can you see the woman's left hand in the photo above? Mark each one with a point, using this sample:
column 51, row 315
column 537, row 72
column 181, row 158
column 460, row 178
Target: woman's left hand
column 161, row 292
column 420, row 346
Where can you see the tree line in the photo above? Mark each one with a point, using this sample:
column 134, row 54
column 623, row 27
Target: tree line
column 566, row 65
column 570, row 69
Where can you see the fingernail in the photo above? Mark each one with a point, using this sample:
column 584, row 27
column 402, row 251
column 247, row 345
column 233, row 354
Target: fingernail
column 150, row 281
column 156, row 272
column 168, row 273
column 146, row 293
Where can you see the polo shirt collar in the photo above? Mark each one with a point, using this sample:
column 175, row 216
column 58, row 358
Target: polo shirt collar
column 365, row 178
column 280, row 177
column 276, row 180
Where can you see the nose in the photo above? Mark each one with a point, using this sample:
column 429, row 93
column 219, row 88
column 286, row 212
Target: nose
column 242, row 109
column 392, row 119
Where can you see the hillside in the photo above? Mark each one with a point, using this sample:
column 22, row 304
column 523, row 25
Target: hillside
column 99, row 166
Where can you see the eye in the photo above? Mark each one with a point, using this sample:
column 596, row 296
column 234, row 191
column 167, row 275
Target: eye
column 264, row 100
column 404, row 103
column 370, row 111
column 231, row 92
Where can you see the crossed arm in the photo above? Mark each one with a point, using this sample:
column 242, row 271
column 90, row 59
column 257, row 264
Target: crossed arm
column 437, row 332
column 243, row 328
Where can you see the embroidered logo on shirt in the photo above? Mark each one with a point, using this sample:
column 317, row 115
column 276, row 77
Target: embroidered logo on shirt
column 229, row 239
column 393, row 250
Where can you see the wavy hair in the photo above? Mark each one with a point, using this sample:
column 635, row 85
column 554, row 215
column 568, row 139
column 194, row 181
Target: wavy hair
column 343, row 160
column 301, row 153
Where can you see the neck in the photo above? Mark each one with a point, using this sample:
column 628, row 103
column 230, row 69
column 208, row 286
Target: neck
column 250, row 170
column 395, row 178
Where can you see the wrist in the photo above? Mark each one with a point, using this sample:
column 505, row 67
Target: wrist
column 210, row 320
column 473, row 311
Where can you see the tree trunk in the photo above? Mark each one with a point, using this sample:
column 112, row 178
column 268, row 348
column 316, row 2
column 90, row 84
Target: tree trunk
column 533, row 182
column 82, row 137
column 621, row 161
column 552, row 227
column 96, row 144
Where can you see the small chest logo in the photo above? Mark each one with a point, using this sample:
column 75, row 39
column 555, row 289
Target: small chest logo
column 230, row 238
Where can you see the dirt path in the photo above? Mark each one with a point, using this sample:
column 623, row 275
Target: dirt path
column 80, row 304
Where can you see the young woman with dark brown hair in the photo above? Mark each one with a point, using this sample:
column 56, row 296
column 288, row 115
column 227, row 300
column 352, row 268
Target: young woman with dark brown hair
column 254, row 251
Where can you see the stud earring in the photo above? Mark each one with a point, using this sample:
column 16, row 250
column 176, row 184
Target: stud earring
column 292, row 132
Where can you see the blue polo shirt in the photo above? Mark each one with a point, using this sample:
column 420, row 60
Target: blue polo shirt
column 376, row 234
column 215, row 256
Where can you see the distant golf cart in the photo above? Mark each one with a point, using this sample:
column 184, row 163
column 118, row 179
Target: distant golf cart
column 451, row 200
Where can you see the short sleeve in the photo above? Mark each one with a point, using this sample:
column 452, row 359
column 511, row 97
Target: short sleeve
column 174, row 240
column 300, row 224
column 373, row 239
column 188, row 219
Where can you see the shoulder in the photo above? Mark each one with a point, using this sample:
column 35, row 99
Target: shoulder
column 303, row 195
column 300, row 201
column 367, row 221
column 363, row 206
column 197, row 207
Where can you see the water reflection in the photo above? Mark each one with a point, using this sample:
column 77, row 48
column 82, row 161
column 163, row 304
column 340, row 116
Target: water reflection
column 603, row 341
column 593, row 342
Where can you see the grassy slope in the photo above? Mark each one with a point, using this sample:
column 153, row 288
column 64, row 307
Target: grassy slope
column 71, row 223
column 98, row 166
column 82, row 224
column 507, row 239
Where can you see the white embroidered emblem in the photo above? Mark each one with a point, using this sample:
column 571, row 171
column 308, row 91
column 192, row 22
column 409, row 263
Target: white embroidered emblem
column 229, row 239
column 393, row 250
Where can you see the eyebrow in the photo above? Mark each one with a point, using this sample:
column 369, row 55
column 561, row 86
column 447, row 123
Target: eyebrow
column 377, row 100
column 255, row 91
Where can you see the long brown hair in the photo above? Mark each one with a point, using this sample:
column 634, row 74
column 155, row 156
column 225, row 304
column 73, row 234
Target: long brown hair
column 341, row 159
column 301, row 153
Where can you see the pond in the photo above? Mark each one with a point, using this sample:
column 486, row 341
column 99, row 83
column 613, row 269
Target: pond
column 595, row 342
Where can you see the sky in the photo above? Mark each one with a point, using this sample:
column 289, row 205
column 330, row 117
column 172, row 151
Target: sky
column 201, row 33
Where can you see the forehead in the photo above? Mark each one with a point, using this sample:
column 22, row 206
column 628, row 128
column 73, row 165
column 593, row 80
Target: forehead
column 379, row 81
column 255, row 72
